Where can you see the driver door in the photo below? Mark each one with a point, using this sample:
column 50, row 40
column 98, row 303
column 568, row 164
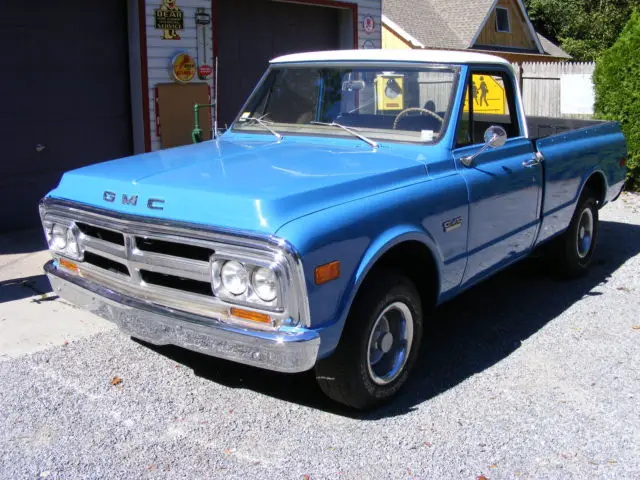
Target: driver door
column 504, row 184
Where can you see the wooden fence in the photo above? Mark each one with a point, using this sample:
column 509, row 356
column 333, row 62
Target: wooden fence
column 557, row 89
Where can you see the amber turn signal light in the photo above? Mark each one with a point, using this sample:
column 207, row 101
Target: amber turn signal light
column 326, row 273
column 69, row 265
column 251, row 316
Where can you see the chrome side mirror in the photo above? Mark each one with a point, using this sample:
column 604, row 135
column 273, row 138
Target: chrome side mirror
column 494, row 137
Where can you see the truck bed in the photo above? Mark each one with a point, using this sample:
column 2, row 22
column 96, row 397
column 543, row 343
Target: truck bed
column 541, row 127
column 572, row 150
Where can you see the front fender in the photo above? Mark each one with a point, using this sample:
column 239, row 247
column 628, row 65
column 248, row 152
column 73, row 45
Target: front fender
column 331, row 303
column 358, row 234
column 389, row 239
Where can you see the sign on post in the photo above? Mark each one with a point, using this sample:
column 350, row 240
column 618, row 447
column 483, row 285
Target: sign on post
column 488, row 95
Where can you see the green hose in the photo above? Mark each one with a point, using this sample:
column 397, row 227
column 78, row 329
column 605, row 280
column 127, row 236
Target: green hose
column 196, row 133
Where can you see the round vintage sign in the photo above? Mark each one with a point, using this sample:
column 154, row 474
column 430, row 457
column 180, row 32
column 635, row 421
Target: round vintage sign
column 205, row 71
column 368, row 44
column 183, row 67
column 368, row 24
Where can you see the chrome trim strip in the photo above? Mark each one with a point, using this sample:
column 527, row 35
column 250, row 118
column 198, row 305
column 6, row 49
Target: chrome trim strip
column 287, row 350
column 224, row 241
column 183, row 267
column 100, row 246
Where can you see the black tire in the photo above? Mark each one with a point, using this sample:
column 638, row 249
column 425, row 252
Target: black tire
column 571, row 255
column 345, row 375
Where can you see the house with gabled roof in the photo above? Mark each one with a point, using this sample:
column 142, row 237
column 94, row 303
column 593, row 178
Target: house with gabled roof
column 500, row 27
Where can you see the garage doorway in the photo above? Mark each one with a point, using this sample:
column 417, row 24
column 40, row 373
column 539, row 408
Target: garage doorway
column 251, row 32
column 66, row 98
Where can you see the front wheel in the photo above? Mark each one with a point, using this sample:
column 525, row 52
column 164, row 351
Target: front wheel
column 575, row 248
column 379, row 344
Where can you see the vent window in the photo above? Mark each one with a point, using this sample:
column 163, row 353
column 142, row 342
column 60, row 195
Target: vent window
column 502, row 20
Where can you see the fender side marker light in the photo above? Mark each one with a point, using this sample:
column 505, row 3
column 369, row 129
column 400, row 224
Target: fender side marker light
column 326, row 273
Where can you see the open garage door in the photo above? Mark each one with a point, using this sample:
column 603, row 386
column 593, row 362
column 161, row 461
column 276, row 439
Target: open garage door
column 65, row 96
column 251, row 32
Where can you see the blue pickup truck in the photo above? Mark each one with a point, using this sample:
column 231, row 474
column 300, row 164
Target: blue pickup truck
column 355, row 192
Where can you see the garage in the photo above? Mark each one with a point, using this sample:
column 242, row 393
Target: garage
column 66, row 101
column 82, row 81
column 250, row 32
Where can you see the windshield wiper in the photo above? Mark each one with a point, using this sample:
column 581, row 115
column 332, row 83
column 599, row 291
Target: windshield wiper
column 352, row 131
column 262, row 123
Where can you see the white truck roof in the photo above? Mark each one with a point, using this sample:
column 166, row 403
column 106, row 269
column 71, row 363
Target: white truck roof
column 407, row 55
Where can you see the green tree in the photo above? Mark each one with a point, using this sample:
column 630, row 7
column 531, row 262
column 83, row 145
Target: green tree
column 617, row 81
column 584, row 28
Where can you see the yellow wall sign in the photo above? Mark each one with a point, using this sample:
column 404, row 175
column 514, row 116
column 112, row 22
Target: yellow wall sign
column 389, row 92
column 488, row 96
column 169, row 18
column 183, row 67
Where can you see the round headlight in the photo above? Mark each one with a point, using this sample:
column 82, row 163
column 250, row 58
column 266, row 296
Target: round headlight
column 234, row 278
column 58, row 237
column 265, row 284
column 72, row 244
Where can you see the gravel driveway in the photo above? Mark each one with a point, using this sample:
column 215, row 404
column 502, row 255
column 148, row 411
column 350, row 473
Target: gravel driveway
column 522, row 377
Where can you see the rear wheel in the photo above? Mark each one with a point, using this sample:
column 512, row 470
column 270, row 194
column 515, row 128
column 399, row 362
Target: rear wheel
column 379, row 344
column 574, row 249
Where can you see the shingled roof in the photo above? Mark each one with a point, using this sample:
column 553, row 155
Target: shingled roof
column 448, row 24
column 551, row 48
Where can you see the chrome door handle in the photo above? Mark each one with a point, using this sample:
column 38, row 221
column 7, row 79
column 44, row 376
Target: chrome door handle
column 536, row 160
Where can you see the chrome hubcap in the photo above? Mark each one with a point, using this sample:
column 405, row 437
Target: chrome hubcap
column 585, row 233
column 390, row 343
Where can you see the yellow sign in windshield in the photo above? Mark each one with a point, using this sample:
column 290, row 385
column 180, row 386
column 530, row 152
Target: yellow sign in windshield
column 390, row 92
column 488, row 95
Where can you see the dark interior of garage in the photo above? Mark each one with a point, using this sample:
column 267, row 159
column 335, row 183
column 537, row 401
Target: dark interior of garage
column 65, row 99
column 251, row 32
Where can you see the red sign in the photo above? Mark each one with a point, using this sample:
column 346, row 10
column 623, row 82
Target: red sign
column 205, row 71
column 368, row 24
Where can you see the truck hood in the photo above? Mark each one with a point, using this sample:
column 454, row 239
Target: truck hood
column 242, row 182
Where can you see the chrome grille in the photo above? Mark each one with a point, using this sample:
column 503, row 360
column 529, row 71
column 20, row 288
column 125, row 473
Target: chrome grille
column 137, row 261
column 164, row 278
column 168, row 263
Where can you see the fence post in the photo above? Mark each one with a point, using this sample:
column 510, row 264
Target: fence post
column 520, row 79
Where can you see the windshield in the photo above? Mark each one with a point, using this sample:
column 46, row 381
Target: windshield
column 404, row 104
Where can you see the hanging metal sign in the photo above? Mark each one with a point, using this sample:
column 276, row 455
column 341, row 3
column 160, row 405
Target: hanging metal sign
column 368, row 24
column 204, row 71
column 203, row 19
column 170, row 19
column 183, row 68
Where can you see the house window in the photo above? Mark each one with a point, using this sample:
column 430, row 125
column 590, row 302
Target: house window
column 502, row 20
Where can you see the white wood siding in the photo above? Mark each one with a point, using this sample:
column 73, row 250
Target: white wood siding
column 160, row 52
column 370, row 8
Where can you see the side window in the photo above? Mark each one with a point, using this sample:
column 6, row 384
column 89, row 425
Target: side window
column 491, row 102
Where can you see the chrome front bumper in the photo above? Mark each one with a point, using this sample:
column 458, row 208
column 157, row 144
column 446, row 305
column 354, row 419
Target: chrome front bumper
column 286, row 350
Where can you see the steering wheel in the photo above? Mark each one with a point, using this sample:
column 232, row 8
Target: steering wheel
column 416, row 109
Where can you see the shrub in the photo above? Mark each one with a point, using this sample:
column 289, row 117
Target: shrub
column 617, row 82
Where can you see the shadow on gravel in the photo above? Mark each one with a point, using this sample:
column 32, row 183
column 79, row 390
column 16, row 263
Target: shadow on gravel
column 470, row 334
column 20, row 288
column 22, row 241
